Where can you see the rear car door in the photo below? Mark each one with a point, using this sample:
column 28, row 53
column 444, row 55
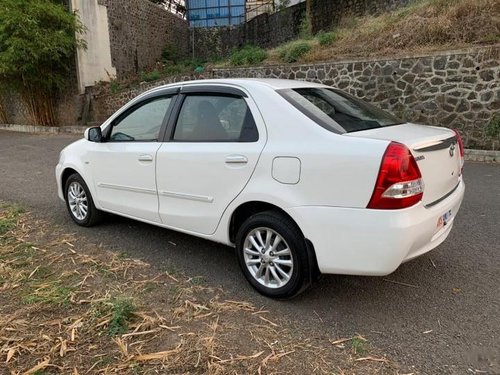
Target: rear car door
column 213, row 143
column 123, row 165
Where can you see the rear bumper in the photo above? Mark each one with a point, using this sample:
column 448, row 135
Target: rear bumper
column 374, row 242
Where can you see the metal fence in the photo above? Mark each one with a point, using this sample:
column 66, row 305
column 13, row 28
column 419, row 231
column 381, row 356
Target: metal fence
column 212, row 13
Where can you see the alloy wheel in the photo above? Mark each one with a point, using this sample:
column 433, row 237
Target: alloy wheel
column 77, row 200
column 268, row 257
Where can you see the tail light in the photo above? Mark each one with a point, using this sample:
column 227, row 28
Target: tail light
column 460, row 143
column 461, row 147
column 399, row 182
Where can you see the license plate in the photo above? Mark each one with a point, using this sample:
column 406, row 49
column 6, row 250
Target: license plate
column 444, row 219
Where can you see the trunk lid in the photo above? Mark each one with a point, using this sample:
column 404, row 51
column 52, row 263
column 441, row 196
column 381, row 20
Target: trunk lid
column 436, row 151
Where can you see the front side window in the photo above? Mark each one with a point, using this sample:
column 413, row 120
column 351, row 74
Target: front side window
column 215, row 118
column 143, row 124
column 338, row 111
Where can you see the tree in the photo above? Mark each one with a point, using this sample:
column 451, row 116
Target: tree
column 38, row 39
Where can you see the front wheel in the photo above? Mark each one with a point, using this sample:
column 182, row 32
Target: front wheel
column 79, row 202
column 272, row 255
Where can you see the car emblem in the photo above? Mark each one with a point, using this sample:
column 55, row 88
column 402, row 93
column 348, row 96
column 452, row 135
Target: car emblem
column 452, row 149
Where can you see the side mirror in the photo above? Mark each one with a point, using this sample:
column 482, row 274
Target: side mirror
column 93, row 134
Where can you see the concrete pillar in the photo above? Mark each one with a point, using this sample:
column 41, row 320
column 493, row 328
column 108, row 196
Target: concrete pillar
column 94, row 63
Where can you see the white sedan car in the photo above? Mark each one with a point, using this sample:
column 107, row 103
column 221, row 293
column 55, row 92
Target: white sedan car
column 300, row 178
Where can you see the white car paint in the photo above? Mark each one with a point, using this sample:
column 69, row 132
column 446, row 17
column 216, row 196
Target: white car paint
column 191, row 188
column 125, row 178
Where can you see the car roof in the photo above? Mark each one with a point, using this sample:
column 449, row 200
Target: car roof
column 246, row 83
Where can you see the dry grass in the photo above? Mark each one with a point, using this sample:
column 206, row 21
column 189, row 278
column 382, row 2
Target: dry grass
column 72, row 307
column 424, row 26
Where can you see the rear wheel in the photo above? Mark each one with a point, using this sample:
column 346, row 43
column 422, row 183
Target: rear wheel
column 272, row 255
column 79, row 202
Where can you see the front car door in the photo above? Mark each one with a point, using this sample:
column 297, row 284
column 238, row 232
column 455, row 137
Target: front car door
column 213, row 143
column 123, row 165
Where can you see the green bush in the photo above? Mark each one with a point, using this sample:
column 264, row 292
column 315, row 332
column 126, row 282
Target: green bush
column 248, row 55
column 326, row 39
column 170, row 53
column 305, row 28
column 293, row 51
column 122, row 311
column 38, row 40
column 115, row 86
column 150, row 76
column 173, row 69
column 192, row 64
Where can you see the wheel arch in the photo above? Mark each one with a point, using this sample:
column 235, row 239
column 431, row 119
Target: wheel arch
column 247, row 209
column 68, row 171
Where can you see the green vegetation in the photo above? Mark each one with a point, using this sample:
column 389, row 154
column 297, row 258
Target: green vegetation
column 38, row 42
column 293, row 51
column 198, row 280
column 150, row 76
column 122, row 310
column 170, row 53
column 53, row 294
column 305, row 29
column 359, row 345
column 8, row 220
column 326, row 39
column 115, row 86
column 248, row 55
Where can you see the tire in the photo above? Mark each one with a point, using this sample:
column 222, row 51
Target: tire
column 285, row 281
column 78, row 197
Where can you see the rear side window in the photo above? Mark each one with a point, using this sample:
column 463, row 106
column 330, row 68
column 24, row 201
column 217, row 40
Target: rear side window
column 337, row 111
column 215, row 118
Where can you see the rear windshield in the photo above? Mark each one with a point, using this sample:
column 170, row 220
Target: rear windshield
column 337, row 111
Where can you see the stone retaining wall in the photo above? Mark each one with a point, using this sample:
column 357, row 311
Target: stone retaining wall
column 139, row 30
column 458, row 89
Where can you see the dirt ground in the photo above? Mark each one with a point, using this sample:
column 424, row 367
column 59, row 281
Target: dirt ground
column 73, row 307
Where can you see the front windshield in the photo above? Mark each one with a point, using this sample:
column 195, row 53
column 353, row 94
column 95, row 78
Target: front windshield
column 337, row 111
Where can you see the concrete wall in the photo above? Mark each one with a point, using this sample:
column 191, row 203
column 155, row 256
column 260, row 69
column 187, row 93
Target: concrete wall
column 94, row 63
column 458, row 89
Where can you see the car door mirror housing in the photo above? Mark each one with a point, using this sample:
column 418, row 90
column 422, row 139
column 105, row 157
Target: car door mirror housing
column 93, row 134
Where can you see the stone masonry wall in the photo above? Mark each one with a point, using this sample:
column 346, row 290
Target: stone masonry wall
column 458, row 89
column 269, row 31
column 139, row 31
column 104, row 105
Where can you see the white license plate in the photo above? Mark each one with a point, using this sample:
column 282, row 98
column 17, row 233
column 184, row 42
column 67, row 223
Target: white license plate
column 444, row 219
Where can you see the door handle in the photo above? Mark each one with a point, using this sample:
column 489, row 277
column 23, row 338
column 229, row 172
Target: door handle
column 145, row 157
column 236, row 159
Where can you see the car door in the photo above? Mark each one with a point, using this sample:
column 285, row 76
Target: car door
column 123, row 165
column 213, row 143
